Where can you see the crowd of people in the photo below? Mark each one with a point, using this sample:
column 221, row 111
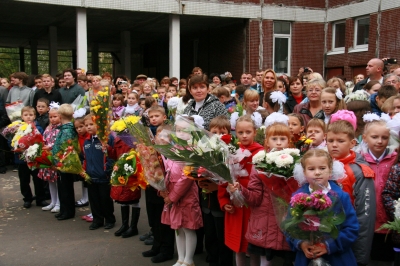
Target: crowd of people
column 332, row 113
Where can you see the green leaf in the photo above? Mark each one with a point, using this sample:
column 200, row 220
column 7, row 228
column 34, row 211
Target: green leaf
column 310, row 212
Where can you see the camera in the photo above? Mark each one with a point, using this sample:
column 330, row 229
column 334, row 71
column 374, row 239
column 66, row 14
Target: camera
column 306, row 70
column 390, row 61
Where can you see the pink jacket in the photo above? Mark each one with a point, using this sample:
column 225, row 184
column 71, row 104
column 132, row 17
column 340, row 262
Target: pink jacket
column 381, row 170
column 185, row 211
column 263, row 230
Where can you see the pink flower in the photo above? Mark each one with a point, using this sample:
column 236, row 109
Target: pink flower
column 311, row 223
column 320, row 201
column 300, row 199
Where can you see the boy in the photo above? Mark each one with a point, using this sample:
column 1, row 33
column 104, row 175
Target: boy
column 161, row 91
column 65, row 184
column 224, row 96
column 163, row 243
column 98, row 166
column 173, row 90
column 42, row 108
column 220, row 125
column 28, row 115
column 377, row 99
column 359, row 184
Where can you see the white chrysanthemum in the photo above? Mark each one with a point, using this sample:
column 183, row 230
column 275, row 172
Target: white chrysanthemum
column 284, row 160
column 32, row 151
column 259, row 157
column 173, row 103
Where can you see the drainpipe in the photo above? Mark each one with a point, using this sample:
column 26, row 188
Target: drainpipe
column 325, row 38
column 378, row 29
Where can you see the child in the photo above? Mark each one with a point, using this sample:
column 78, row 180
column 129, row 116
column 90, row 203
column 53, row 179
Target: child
column 380, row 158
column 79, row 124
column 317, row 169
column 28, row 115
column 98, row 166
column 220, row 125
column 296, row 126
column 236, row 219
column 46, row 174
column 168, row 96
column 377, row 99
column 396, row 105
column 118, row 106
column 65, row 182
column 182, row 204
column 172, row 89
column 161, row 91
column 359, row 183
column 149, row 102
column 142, row 105
column 224, row 96
column 263, row 234
column 251, row 99
column 316, row 131
column 271, row 105
column 372, row 87
column 132, row 107
column 163, row 243
column 42, row 108
column 331, row 101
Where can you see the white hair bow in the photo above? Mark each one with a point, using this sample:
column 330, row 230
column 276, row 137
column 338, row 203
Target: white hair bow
column 337, row 172
column 54, row 105
column 369, row 117
column 79, row 113
column 339, row 94
column 276, row 118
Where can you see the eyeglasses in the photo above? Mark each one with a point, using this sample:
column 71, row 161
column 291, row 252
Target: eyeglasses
column 314, row 90
column 391, row 82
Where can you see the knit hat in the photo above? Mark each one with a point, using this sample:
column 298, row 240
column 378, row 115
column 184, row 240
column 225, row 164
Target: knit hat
column 345, row 115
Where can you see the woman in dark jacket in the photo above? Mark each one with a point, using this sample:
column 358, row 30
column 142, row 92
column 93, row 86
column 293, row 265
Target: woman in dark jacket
column 295, row 94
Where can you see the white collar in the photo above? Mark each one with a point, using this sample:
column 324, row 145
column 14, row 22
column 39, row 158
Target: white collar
column 377, row 159
column 380, row 80
column 325, row 190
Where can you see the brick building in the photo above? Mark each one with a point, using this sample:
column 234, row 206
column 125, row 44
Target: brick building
column 170, row 37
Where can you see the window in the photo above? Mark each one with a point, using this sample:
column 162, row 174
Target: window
column 282, row 45
column 338, row 36
column 361, row 33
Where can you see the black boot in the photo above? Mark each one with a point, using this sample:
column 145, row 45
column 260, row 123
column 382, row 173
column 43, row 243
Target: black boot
column 125, row 221
column 133, row 231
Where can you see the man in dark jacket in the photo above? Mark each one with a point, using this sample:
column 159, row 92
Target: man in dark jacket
column 374, row 71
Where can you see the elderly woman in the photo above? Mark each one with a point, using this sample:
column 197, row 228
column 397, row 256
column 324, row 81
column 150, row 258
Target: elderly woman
column 203, row 104
column 147, row 89
column 313, row 108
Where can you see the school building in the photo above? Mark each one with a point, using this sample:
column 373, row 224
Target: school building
column 170, row 37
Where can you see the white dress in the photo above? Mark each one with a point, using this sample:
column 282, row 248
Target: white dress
column 256, row 117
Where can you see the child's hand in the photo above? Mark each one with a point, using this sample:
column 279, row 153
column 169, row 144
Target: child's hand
column 319, row 250
column 233, row 187
column 167, row 200
column 229, row 208
column 164, row 194
column 307, row 249
column 105, row 147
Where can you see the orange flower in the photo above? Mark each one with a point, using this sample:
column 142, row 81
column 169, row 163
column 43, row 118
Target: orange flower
column 121, row 180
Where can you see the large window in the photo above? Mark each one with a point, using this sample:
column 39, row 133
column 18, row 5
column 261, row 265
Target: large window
column 338, row 36
column 361, row 33
column 282, row 47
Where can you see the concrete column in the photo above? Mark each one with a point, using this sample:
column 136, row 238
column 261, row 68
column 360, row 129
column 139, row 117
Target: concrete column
column 126, row 53
column 53, row 56
column 34, row 57
column 81, row 38
column 174, row 46
column 95, row 58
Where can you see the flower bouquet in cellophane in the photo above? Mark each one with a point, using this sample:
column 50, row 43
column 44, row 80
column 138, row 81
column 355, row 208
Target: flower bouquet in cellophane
column 100, row 107
column 10, row 131
column 26, row 135
column 67, row 159
column 119, row 128
column 150, row 159
column 37, row 158
column 128, row 172
column 14, row 110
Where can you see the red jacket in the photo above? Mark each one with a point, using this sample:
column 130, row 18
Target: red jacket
column 122, row 193
column 263, row 230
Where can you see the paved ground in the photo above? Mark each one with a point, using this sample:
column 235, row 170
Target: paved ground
column 34, row 237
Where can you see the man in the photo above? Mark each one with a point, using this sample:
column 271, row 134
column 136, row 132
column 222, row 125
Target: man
column 38, row 82
column 374, row 71
column 245, row 79
column 258, row 86
column 392, row 79
column 82, row 81
column 89, row 74
column 79, row 71
column 141, row 78
column 197, row 71
column 47, row 92
column 71, row 89
column 20, row 92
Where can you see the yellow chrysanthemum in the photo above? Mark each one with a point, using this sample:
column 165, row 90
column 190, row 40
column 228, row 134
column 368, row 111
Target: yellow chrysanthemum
column 23, row 127
column 308, row 141
column 132, row 119
column 118, row 126
column 155, row 95
column 187, row 170
column 94, row 102
column 95, row 108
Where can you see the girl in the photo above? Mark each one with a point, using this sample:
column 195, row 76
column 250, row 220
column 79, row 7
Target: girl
column 80, row 128
column 132, row 107
column 182, row 209
column 296, row 126
column 118, row 106
column 168, row 96
column 295, row 94
column 123, row 88
column 331, row 100
column 338, row 83
column 282, row 86
column 236, row 219
column 263, row 234
column 250, row 104
column 372, row 87
column 273, row 102
column 380, row 158
column 50, row 175
column 315, row 172
column 316, row 131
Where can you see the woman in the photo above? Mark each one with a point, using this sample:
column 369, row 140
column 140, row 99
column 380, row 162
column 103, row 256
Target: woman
column 295, row 94
column 313, row 108
column 216, row 79
column 147, row 89
column 269, row 81
column 5, row 83
column 203, row 104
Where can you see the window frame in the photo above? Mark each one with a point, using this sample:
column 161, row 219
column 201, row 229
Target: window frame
column 361, row 47
column 338, row 49
column 281, row 35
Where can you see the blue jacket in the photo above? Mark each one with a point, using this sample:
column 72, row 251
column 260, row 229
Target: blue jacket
column 374, row 105
column 98, row 166
column 339, row 249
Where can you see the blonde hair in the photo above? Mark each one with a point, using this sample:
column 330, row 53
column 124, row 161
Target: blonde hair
column 269, row 70
column 316, row 82
column 340, row 104
column 342, row 126
column 156, row 108
column 387, row 106
column 66, row 111
column 246, row 118
column 316, row 153
column 342, row 86
column 369, row 125
column 28, row 109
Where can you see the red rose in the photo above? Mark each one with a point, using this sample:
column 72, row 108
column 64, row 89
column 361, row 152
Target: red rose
column 226, row 138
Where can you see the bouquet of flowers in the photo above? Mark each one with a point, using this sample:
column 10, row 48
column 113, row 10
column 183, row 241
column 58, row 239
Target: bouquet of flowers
column 37, row 158
column 231, row 141
column 302, row 143
column 119, row 127
column 26, row 135
column 260, row 135
column 67, row 159
column 278, row 168
column 314, row 217
column 14, row 110
column 395, row 224
column 128, row 171
column 152, row 163
column 100, row 107
column 11, row 129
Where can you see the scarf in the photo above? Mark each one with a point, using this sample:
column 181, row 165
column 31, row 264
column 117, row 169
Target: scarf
column 131, row 109
column 247, row 161
column 348, row 182
column 117, row 111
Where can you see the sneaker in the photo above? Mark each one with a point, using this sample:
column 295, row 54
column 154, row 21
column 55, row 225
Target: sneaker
column 56, row 209
column 149, row 241
column 48, row 207
column 145, row 236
